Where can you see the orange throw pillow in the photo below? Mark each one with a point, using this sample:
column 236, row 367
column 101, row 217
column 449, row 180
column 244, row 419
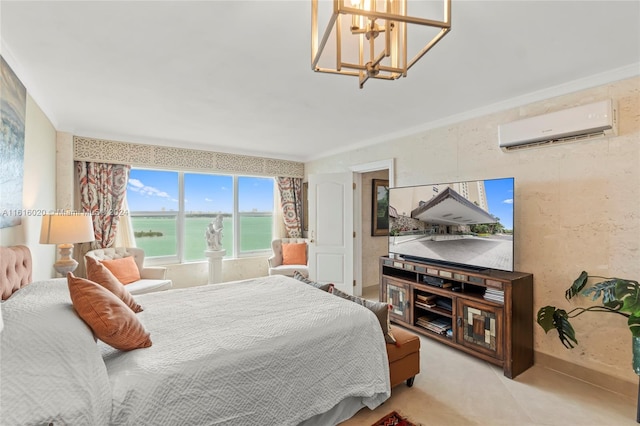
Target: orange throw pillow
column 294, row 253
column 110, row 319
column 124, row 269
column 98, row 273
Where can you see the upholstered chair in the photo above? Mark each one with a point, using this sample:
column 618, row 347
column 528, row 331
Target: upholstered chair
column 151, row 278
column 278, row 264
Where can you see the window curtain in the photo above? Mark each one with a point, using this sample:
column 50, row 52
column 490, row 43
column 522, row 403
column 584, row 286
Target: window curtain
column 291, row 202
column 125, row 236
column 101, row 190
column 277, row 230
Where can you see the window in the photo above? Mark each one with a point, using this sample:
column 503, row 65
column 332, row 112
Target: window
column 255, row 210
column 205, row 197
column 152, row 197
column 170, row 212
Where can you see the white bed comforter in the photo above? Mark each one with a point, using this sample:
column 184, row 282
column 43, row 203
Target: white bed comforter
column 51, row 371
column 269, row 351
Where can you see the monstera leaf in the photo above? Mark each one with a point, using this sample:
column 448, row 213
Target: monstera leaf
column 634, row 326
column 577, row 285
column 618, row 296
column 549, row 318
column 629, row 293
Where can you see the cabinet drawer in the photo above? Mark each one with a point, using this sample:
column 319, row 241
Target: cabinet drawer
column 493, row 284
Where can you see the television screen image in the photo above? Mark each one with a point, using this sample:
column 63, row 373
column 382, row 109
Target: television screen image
column 467, row 223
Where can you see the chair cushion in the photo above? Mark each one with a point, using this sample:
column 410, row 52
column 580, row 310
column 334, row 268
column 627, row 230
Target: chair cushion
column 111, row 320
column 294, row 253
column 289, row 270
column 124, row 269
column 147, row 286
column 99, row 273
column 406, row 343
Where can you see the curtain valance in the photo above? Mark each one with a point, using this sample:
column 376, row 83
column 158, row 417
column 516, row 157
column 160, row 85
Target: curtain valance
column 171, row 158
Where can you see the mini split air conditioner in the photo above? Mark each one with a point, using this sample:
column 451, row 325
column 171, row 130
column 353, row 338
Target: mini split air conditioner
column 579, row 123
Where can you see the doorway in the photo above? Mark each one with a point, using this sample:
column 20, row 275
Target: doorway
column 367, row 247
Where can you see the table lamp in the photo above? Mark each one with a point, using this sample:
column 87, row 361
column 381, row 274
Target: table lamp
column 64, row 230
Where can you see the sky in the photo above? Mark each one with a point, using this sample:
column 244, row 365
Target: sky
column 156, row 190
column 500, row 199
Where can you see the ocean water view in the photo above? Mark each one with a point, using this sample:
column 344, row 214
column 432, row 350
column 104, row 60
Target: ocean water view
column 255, row 234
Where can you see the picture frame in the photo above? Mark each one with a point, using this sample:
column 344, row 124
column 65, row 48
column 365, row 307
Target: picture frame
column 380, row 207
column 13, row 109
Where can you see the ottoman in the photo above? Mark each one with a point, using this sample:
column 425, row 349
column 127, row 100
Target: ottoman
column 404, row 356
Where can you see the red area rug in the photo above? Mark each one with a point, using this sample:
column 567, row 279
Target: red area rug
column 393, row 419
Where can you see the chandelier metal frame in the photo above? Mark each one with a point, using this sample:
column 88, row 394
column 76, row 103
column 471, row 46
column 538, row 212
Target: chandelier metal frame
column 370, row 28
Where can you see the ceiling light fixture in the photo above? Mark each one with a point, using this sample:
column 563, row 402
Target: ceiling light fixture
column 371, row 37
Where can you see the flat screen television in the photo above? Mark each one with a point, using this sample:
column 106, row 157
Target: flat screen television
column 467, row 224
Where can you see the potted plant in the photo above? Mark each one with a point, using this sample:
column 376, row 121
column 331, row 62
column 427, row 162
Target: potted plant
column 614, row 295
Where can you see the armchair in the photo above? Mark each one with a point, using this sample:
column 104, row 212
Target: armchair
column 151, row 278
column 276, row 261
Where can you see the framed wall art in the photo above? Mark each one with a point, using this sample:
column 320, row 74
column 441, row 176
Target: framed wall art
column 13, row 107
column 380, row 207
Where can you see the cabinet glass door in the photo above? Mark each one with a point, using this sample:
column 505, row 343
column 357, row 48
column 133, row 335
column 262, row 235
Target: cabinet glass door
column 480, row 327
column 397, row 297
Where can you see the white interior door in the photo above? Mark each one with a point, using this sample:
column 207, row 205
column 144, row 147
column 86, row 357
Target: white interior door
column 331, row 229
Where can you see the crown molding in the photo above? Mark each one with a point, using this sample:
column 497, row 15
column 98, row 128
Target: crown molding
column 617, row 74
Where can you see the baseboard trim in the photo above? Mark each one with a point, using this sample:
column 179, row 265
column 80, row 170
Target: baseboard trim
column 605, row 381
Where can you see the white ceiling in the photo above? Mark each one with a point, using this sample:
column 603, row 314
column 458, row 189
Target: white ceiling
column 235, row 76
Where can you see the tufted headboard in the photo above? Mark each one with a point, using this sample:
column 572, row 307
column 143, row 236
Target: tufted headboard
column 15, row 269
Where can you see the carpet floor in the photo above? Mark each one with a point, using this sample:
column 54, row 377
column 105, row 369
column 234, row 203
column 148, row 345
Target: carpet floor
column 454, row 388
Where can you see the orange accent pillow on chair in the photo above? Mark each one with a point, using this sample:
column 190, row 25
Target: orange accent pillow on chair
column 294, row 253
column 98, row 273
column 124, row 269
column 111, row 320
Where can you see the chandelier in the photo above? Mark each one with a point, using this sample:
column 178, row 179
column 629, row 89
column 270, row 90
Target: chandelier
column 368, row 38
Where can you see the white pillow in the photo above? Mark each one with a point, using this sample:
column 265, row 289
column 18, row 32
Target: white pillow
column 50, row 366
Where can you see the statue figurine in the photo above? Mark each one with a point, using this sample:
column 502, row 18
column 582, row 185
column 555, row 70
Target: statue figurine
column 214, row 234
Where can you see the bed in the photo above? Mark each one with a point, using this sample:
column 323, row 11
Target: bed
column 267, row 351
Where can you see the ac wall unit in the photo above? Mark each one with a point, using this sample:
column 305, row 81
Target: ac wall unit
column 578, row 123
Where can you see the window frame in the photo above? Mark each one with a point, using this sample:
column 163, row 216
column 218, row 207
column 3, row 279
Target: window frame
column 181, row 214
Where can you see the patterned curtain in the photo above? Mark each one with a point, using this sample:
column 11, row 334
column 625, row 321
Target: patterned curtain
column 291, row 202
column 103, row 188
